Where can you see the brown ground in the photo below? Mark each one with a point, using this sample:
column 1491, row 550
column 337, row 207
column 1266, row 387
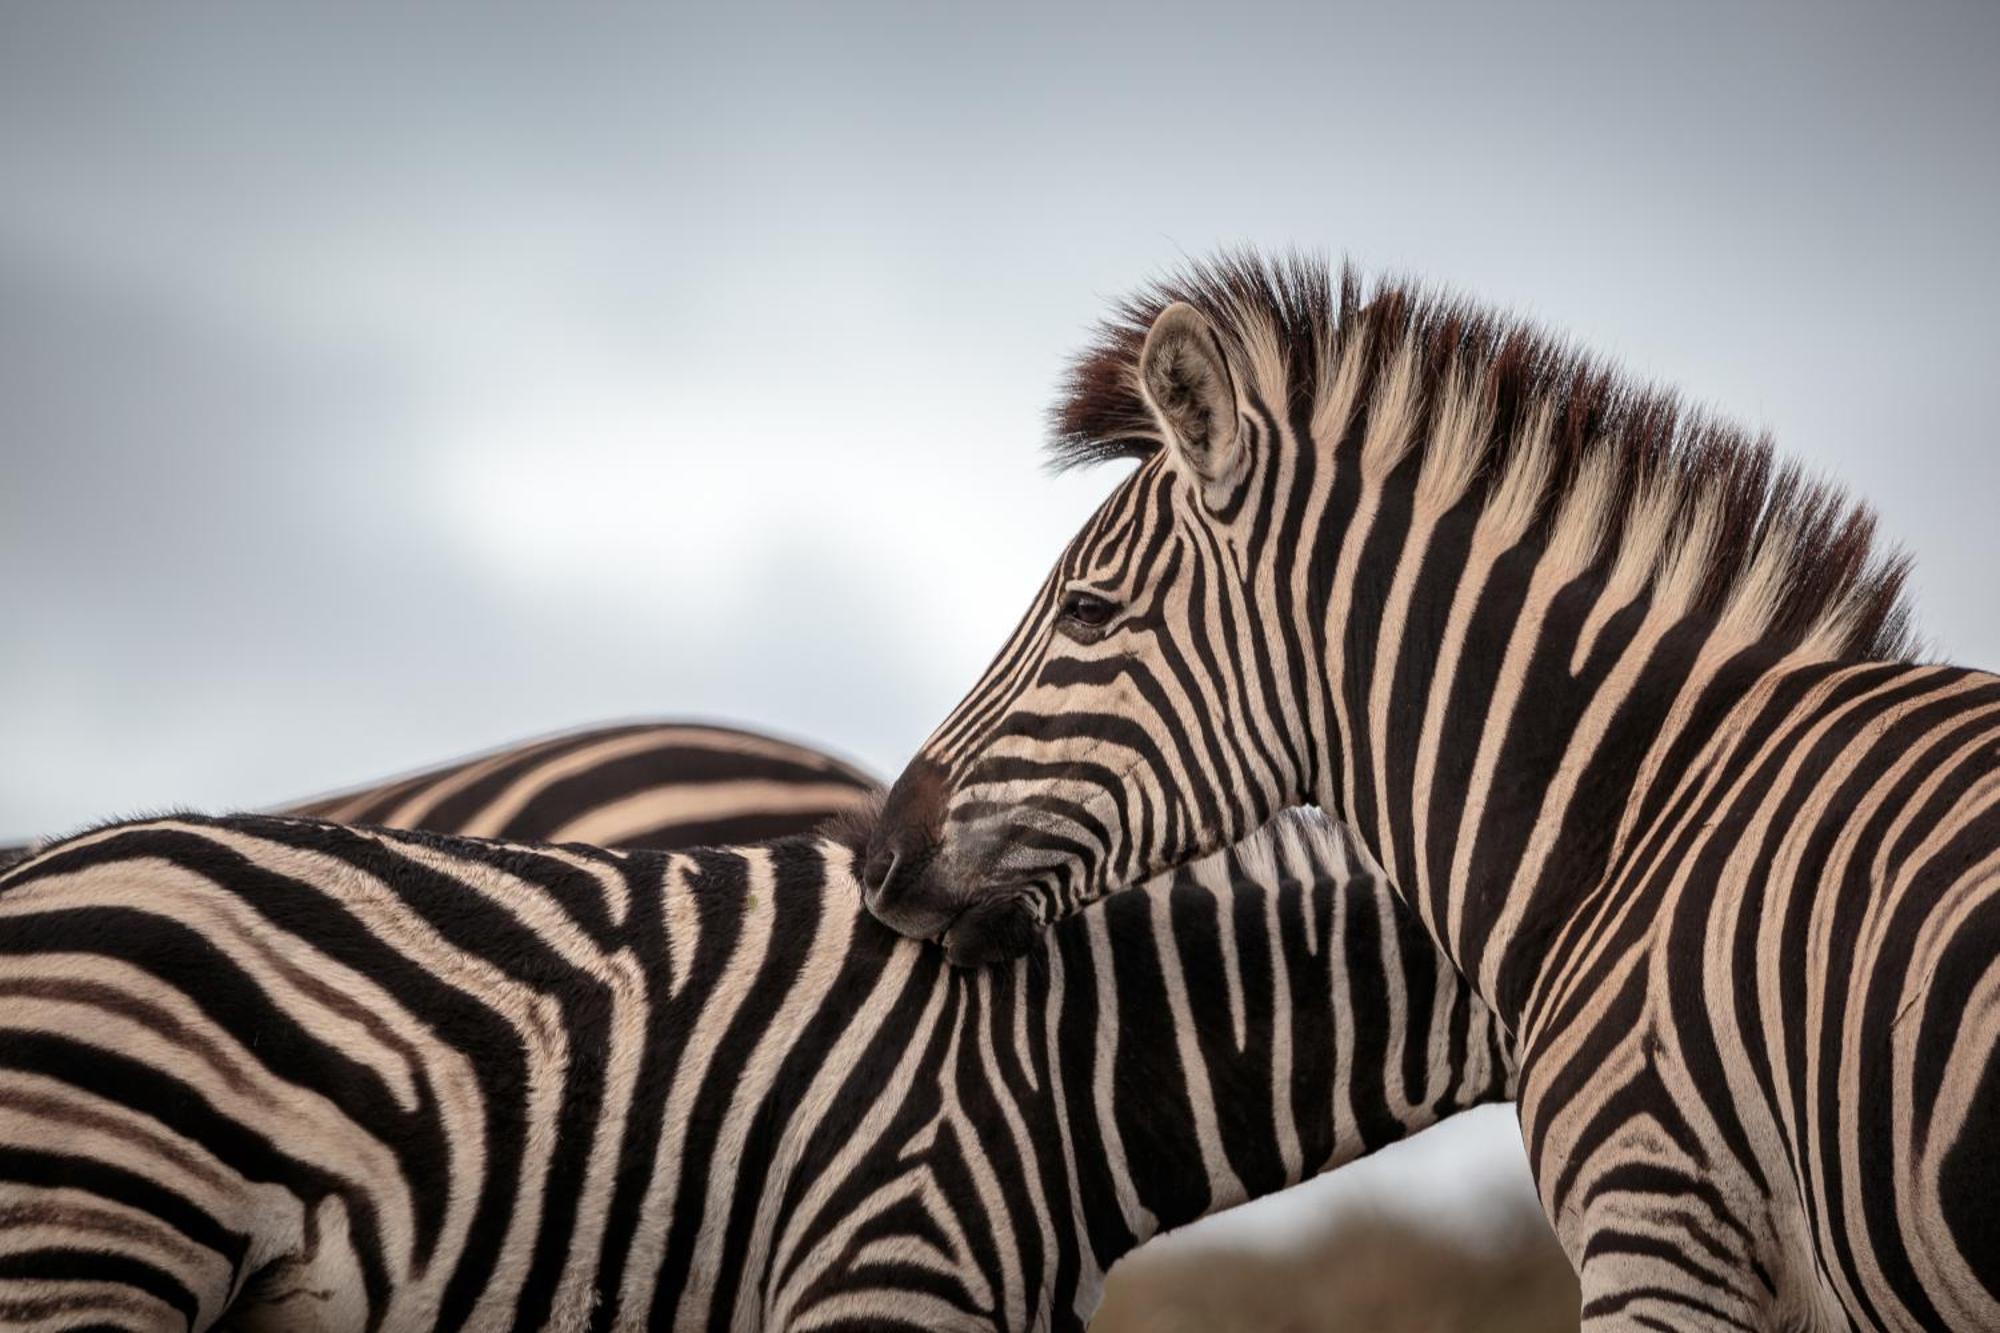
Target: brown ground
column 1370, row 1274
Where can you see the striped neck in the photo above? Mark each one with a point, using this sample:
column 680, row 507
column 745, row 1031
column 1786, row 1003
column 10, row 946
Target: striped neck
column 1225, row 1032
column 1273, row 1012
column 1515, row 713
column 1442, row 573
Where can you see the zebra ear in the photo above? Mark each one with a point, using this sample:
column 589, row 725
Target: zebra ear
column 1185, row 377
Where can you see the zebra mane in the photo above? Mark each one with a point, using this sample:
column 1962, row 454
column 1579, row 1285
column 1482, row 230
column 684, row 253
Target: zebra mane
column 1550, row 441
column 1303, row 834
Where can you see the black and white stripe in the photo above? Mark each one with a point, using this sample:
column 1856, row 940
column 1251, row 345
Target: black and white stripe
column 323, row 1077
column 1626, row 711
column 658, row 785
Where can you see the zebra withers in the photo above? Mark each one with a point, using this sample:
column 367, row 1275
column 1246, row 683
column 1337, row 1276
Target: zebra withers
column 306, row 1076
column 1626, row 711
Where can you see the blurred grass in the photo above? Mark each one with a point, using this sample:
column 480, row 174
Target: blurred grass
column 1371, row 1273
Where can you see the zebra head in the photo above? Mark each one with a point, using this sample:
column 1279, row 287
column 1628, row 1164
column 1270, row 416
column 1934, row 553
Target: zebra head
column 1120, row 730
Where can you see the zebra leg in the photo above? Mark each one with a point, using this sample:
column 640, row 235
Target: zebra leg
column 1656, row 1243
column 1658, row 1247
column 1673, row 1256
column 1613, row 1307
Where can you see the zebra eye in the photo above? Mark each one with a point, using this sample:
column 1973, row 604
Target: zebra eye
column 1085, row 613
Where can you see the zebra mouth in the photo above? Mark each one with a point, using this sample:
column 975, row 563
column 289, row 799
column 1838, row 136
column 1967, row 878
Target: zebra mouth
column 992, row 930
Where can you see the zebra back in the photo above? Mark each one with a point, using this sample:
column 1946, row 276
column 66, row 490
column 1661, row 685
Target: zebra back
column 467, row 1083
column 656, row 785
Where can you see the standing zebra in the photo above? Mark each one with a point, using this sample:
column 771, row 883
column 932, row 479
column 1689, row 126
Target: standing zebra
column 1627, row 713
column 295, row 1075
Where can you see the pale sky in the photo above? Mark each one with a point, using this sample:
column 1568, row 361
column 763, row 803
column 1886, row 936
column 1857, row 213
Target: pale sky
column 379, row 383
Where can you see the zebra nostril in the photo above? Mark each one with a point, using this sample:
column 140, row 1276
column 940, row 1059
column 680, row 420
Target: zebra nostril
column 905, row 835
column 881, row 868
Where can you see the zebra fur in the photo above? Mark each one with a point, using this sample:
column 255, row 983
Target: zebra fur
column 282, row 1073
column 657, row 785
column 1627, row 712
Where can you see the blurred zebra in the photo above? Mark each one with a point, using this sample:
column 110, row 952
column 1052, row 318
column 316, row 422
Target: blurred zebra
column 1627, row 713
column 297, row 1075
column 659, row 785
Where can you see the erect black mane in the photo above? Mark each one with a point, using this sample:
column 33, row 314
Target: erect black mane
column 1100, row 416
column 1314, row 318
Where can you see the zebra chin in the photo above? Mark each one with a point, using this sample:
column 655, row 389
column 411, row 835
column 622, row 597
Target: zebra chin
column 996, row 930
column 996, row 926
column 915, row 893
column 979, row 878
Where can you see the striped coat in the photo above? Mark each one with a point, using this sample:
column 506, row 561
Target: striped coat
column 659, row 785
column 323, row 1077
column 1626, row 709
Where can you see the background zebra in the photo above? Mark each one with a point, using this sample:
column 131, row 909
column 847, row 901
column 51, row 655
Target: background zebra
column 658, row 785
column 1626, row 712
column 327, row 1078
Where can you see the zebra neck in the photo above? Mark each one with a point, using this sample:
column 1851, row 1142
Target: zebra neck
column 1505, row 725
column 1215, row 1036
column 1265, row 1026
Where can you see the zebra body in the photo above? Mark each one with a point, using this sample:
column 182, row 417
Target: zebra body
column 323, row 1077
column 1625, row 712
column 658, row 785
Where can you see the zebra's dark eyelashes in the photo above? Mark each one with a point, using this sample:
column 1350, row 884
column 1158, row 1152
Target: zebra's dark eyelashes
column 1085, row 615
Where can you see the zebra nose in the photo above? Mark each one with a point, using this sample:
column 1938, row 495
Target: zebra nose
column 906, row 832
column 881, row 868
column 896, row 876
column 892, row 877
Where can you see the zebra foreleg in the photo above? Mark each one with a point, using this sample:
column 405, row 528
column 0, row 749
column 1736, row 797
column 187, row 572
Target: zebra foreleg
column 1617, row 1299
column 1664, row 1277
column 1652, row 1251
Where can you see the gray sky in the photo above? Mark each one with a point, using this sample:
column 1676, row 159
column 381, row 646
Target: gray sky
column 380, row 383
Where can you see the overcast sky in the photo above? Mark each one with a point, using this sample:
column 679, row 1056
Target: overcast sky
column 379, row 383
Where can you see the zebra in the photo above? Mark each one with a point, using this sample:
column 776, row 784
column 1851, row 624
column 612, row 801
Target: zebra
column 1628, row 712
column 658, row 785
column 270, row 1072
